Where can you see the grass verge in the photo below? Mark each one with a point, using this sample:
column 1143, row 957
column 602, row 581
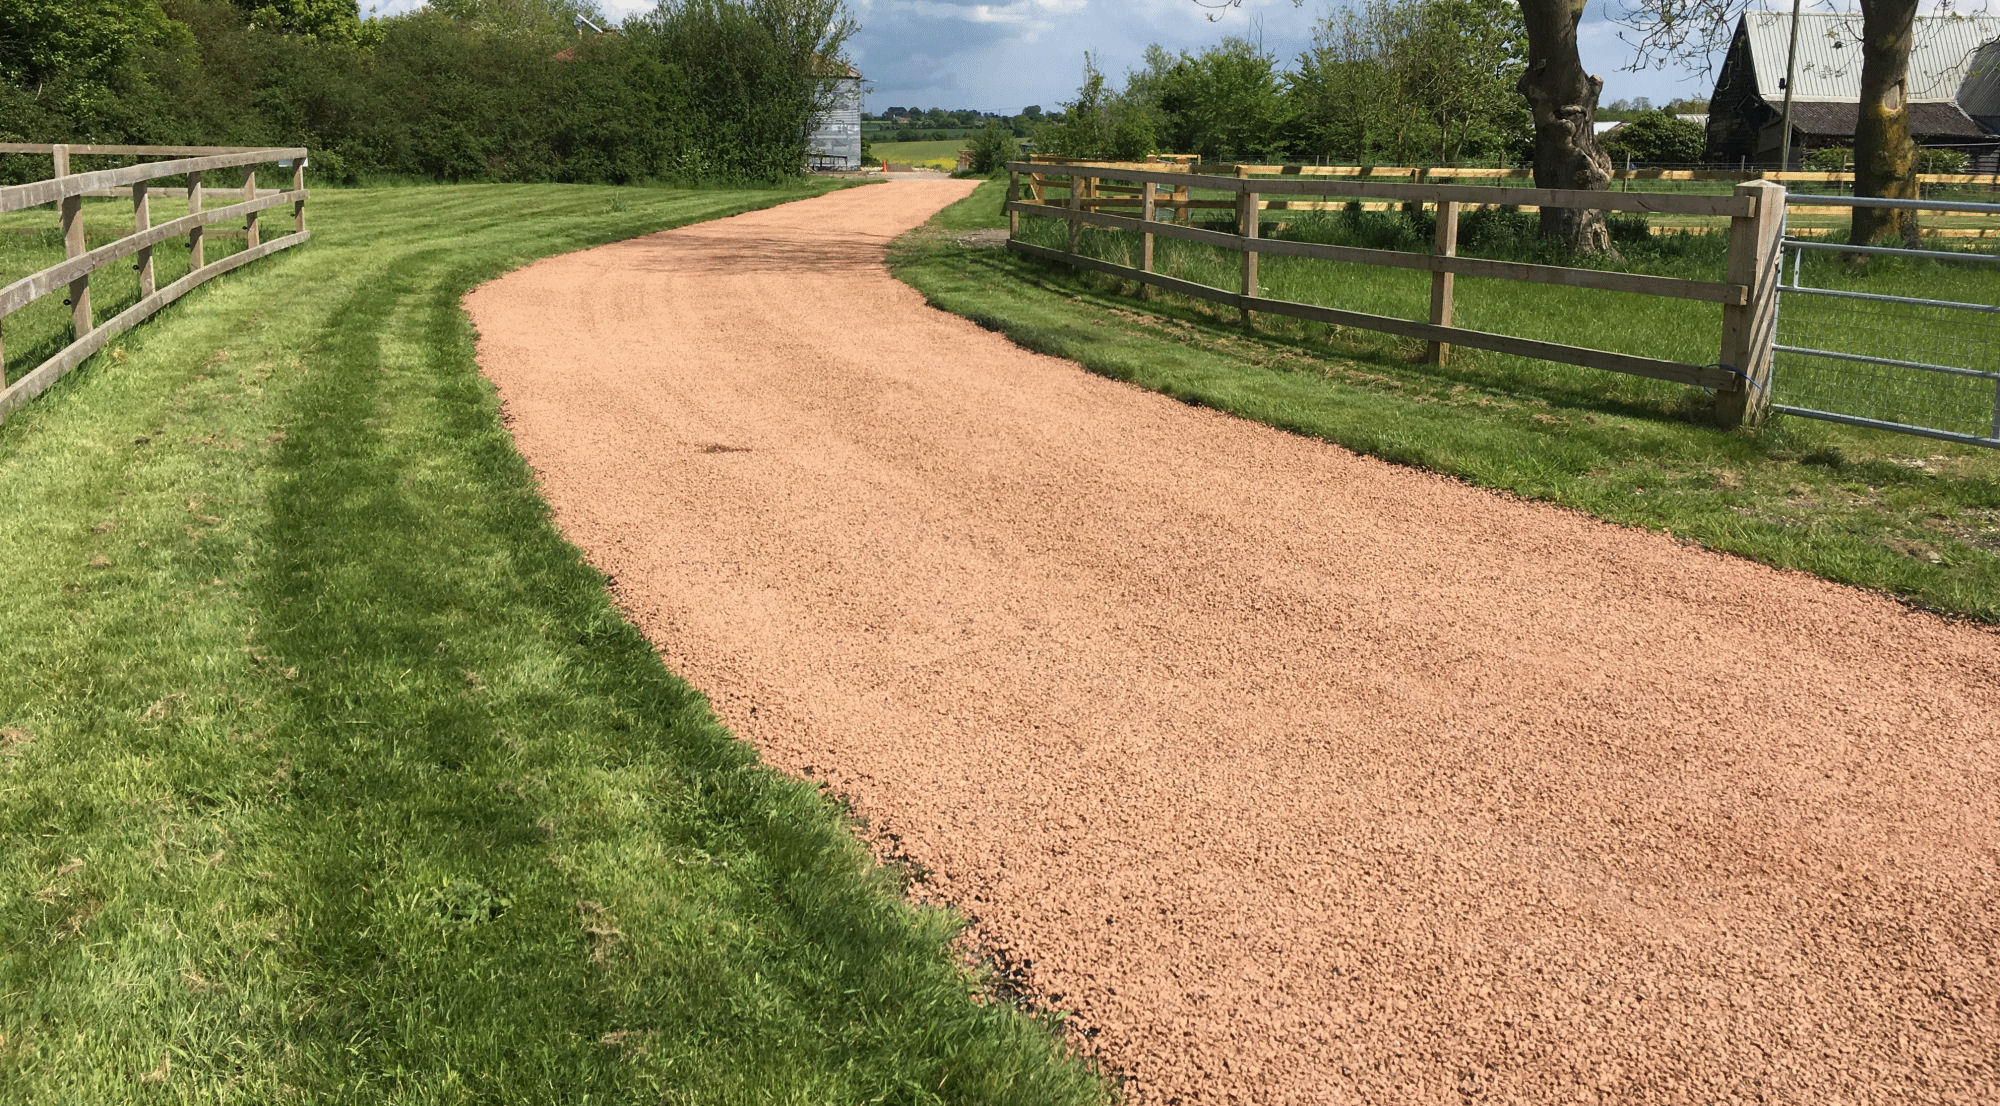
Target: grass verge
column 1911, row 517
column 328, row 771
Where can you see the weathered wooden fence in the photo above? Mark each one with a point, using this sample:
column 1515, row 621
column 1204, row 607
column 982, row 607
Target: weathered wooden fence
column 68, row 190
column 1804, row 186
column 1747, row 296
column 1439, row 174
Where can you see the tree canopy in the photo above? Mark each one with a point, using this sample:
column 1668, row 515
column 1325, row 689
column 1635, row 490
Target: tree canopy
column 1393, row 81
column 456, row 90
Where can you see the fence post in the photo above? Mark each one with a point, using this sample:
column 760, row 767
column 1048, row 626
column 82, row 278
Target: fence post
column 1444, row 243
column 1246, row 225
column 299, row 202
column 1013, row 196
column 74, row 245
column 250, row 220
column 1149, row 196
column 59, row 153
column 1748, row 330
column 142, row 221
column 1075, row 210
column 195, row 260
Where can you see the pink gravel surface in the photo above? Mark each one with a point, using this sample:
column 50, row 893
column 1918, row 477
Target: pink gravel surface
column 1296, row 776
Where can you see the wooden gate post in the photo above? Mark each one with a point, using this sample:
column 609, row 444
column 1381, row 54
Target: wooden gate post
column 1246, row 225
column 195, row 260
column 59, row 154
column 142, row 221
column 1075, row 211
column 1149, row 196
column 1444, row 243
column 1748, row 330
column 250, row 220
column 74, row 245
column 299, row 202
column 1013, row 197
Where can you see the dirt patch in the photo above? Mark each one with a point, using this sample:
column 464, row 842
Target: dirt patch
column 1298, row 776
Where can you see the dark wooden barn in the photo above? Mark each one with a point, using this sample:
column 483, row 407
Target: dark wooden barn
column 1954, row 93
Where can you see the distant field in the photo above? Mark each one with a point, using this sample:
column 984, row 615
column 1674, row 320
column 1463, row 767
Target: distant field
column 942, row 154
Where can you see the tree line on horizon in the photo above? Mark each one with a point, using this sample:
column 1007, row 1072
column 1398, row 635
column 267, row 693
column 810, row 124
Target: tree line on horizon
column 1385, row 82
column 1562, row 96
column 457, row 90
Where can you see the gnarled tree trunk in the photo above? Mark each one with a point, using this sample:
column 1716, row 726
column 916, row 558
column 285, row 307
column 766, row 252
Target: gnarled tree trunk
column 1563, row 97
column 1885, row 159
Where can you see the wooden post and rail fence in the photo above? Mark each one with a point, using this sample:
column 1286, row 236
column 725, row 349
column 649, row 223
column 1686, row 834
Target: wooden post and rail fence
column 67, row 191
column 1747, row 295
column 1100, row 194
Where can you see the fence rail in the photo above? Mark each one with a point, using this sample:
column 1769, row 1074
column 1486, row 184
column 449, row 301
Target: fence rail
column 1419, row 174
column 1756, row 219
column 68, row 190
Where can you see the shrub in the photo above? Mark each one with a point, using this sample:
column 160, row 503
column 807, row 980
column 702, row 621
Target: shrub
column 993, row 146
column 457, row 90
column 1942, row 161
column 1656, row 138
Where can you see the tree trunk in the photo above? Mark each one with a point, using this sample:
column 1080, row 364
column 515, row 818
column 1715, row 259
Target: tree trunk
column 1563, row 97
column 1885, row 159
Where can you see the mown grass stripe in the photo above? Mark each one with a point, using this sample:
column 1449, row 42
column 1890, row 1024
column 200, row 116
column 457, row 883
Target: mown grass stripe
column 377, row 797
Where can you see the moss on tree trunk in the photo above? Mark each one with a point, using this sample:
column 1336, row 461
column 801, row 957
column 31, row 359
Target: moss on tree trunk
column 1563, row 97
column 1885, row 159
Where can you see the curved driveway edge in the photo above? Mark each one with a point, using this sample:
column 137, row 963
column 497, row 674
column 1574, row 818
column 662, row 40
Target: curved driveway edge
column 1299, row 776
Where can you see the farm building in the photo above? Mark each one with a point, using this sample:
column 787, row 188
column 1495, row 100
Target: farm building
column 1954, row 93
column 836, row 135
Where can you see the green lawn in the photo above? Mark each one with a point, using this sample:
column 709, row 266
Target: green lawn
column 1913, row 517
column 329, row 772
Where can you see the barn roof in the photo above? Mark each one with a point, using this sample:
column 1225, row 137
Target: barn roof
column 1927, row 120
column 1829, row 63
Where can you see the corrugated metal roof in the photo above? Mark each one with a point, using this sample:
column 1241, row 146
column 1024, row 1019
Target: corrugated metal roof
column 1980, row 94
column 1829, row 64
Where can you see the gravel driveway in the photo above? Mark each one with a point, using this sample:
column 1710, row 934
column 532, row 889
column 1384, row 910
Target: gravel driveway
column 1297, row 776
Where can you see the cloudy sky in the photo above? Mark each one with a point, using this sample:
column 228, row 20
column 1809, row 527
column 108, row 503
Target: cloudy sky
column 1002, row 55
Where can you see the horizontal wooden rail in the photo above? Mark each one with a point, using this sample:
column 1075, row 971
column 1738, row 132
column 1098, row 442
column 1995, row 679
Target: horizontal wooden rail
column 84, row 150
column 68, row 190
column 72, row 355
column 1418, row 173
column 22, row 292
column 1670, row 287
column 164, row 193
column 1756, row 218
column 1652, row 203
column 15, row 197
column 1706, row 376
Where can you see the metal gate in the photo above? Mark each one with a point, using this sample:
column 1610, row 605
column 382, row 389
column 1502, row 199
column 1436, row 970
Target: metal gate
column 1926, row 365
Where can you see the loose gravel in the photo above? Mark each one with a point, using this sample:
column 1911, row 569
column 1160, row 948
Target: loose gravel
column 1296, row 776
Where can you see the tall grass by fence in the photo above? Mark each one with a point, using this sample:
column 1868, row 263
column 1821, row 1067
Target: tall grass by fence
column 67, row 191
